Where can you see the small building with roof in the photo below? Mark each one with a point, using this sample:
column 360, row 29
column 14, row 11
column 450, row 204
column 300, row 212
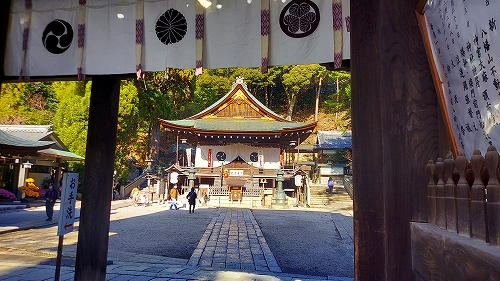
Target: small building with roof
column 32, row 151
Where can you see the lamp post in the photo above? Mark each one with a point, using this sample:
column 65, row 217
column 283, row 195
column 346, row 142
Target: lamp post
column 149, row 176
column 191, row 176
column 279, row 196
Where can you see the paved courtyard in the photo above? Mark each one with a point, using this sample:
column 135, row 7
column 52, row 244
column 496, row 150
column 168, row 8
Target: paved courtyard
column 155, row 243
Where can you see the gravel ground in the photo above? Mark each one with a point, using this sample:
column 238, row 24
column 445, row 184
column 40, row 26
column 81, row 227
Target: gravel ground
column 163, row 232
column 305, row 242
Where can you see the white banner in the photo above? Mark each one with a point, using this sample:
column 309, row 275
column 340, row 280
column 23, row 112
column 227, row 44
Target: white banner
column 223, row 155
column 122, row 36
column 188, row 156
column 464, row 36
column 169, row 34
column 232, row 34
column 110, row 37
column 298, row 38
column 346, row 29
column 51, row 33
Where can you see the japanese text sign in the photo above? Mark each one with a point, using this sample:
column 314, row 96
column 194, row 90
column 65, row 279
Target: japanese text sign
column 68, row 199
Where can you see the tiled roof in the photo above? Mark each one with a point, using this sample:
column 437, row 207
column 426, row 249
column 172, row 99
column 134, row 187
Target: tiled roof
column 9, row 140
column 29, row 132
column 35, row 139
column 35, row 133
column 246, row 125
column 334, row 139
column 64, row 155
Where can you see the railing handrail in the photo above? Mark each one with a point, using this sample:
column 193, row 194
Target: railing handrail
column 464, row 196
column 134, row 183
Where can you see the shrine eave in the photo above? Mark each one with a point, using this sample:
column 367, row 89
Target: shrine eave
column 237, row 127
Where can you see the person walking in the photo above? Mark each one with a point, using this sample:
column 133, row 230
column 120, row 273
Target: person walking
column 174, row 193
column 50, row 200
column 191, row 197
column 331, row 184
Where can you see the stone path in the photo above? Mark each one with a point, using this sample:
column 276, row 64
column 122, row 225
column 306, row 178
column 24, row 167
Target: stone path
column 233, row 240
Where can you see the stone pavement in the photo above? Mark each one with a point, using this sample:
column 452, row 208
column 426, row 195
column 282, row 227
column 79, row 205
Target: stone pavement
column 232, row 248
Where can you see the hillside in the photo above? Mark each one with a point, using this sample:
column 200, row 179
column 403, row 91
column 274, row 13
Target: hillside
column 326, row 122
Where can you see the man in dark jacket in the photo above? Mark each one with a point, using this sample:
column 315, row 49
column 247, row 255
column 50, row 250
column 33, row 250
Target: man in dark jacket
column 191, row 197
column 50, row 199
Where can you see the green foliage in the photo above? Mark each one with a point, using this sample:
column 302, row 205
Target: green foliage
column 71, row 118
column 27, row 103
column 299, row 80
column 341, row 156
column 210, row 87
column 340, row 101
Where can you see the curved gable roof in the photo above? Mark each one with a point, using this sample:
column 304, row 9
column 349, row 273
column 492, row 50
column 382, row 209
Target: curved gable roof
column 238, row 102
column 15, row 145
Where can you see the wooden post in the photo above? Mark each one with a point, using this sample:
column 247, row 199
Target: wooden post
column 395, row 133
column 440, row 193
column 431, row 193
column 450, row 195
column 493, row 197
column 477, row 199
column 93, row 234
column 4, row 25
column 463, row 198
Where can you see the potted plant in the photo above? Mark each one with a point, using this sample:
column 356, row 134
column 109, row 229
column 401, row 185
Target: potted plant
column 30, row 189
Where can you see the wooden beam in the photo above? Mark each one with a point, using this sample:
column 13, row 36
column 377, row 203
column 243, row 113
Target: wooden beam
column 91, row 255
column 395, row 133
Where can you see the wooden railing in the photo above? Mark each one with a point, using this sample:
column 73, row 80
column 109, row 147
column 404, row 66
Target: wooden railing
column 348, row 185
column 464, row 196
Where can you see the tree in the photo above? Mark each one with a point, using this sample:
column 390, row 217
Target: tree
column 152, row 104
column 72, row 114
column 339, row 101
column 211, row 86
column 27, row 103
column 12, row 101
column 299, row 80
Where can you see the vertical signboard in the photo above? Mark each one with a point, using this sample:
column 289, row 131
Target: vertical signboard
column 209, row 157
column 68, row 199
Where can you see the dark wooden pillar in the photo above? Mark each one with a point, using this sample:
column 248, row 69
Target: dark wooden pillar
column 4, row 25
column 92, row 251
column 395, row 133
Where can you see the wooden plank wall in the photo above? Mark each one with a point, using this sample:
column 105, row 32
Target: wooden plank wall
column 395, row 132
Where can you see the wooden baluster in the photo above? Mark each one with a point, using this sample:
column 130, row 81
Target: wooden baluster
column 450, row 191
column 463, row 198
column 431, row 193
column 493, row 197
column 477, row 199
column 440, row 203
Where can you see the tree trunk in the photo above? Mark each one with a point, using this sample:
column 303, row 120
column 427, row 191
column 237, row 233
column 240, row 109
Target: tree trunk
column 316, row 108
column 291, row 105
column 155, row 143
column 266, row 96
